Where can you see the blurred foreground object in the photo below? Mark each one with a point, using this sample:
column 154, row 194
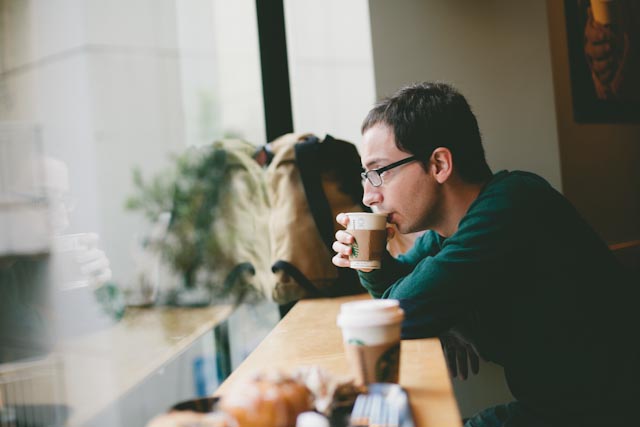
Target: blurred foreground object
column 216, row 238
column 32, row 394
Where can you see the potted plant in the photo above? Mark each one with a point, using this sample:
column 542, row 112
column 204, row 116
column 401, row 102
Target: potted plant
column 200, row 242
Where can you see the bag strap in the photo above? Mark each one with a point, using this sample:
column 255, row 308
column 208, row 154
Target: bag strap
column 300, row 278
column 314, row 157
column 309, row 160
column 234, row 275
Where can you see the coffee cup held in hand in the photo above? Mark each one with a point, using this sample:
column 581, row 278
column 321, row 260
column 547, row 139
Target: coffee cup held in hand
column 604, row 11
column 370, row 237
column 371, row 336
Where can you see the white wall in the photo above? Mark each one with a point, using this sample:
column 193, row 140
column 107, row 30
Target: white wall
column 117, row 84
column 608, row 197
column 114, row 85
column 330, row 66
column 497, row 53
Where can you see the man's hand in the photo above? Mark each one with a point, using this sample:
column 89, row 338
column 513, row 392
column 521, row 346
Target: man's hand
column 604, row 49
column 343, row 243
column 459, row 354
column 80, row 260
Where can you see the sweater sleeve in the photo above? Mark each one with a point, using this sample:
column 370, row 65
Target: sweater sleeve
column 473, row 265
column 437, row 289
column 378, row 282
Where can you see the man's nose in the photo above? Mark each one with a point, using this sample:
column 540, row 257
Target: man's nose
column 372, row 195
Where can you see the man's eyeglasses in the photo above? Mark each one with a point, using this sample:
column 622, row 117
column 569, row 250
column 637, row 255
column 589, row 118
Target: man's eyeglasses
column 374, row 176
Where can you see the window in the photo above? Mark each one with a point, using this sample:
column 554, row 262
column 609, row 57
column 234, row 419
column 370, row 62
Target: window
column 91, row 90
column 96, row 90
column 330, row 66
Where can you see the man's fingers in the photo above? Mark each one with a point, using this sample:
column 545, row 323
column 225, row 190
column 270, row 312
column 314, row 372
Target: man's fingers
column 594, row 32
column 451, row 361
column 340, row 261
column 342, row 219
column 344, row 237
column 94, row 267
column 391, row 232
column 104, row 275
column 604, row 70
column 599, row 50
column 463, row 367
column 450, row 355
column 474, row 361
column 89, row 240
column 341, row 249
column 90, row 255
column 341, row 258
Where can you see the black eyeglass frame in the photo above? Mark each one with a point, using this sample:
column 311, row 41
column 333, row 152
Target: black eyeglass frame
column 380, row 171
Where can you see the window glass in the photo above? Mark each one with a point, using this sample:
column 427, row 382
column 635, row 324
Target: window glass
column 90, row 91
column 330, row 66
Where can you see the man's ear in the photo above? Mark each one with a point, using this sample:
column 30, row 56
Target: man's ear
column 443, row 161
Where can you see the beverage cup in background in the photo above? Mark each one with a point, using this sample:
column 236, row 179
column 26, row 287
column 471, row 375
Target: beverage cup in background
column 67, row 248
column 604, row 11
column 370, row 234
column 371, row 336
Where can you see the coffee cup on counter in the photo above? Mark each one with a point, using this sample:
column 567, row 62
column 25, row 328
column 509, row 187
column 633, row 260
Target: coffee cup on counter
column 371, row 336
column 369, row 231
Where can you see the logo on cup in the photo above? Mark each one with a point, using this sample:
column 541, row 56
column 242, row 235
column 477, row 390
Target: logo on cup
column 355, row 249
column 370, row 238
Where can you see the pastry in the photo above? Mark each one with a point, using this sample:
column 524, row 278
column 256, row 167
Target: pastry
column 192, row 419
column 272, row 400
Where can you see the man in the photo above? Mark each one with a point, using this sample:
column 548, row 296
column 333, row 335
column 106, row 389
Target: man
column 506, row 259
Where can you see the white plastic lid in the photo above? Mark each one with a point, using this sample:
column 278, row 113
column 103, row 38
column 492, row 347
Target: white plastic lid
column 311, row 419
column 366, row 313
column 366, row 221
column 379, row 214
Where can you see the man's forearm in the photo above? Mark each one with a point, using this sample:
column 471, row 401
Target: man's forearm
column 378, row 281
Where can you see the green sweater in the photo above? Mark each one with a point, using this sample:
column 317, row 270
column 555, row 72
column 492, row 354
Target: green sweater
column 533, row 286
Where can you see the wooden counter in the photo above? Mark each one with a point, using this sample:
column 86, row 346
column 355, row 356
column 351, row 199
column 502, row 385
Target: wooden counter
column 101, row 367
column 308, row 335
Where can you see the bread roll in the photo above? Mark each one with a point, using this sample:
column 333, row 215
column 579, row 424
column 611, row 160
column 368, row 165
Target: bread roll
column 267, row 401
column 191, row 419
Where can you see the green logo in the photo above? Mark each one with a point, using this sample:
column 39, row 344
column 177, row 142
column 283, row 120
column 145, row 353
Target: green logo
column 354, row 248
column 387, row 365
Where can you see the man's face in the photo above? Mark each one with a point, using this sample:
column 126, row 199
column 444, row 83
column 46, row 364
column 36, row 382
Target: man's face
column 409, row 195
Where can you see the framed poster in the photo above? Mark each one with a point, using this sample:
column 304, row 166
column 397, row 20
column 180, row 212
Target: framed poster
column 604, row 59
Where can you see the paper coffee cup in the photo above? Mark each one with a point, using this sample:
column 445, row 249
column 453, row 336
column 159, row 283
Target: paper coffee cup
column 370, row 233
column 603, row 11
column 371, row 336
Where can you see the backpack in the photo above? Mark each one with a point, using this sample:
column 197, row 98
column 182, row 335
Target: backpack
column 309, row 181
column 215, row 239
column 271, row 230
column 243, row 219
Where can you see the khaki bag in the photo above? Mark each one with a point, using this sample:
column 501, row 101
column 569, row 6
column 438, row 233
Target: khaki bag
column 274, row 227
column 243, row 220
column 310, row 181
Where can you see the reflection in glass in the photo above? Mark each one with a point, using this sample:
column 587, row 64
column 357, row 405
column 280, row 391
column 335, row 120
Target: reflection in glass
column 111, row 86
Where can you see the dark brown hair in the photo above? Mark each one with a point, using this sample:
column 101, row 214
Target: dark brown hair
column 425, row 116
